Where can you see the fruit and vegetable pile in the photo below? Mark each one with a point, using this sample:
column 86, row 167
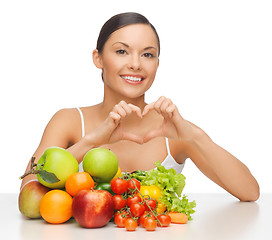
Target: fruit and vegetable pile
column 101, row 193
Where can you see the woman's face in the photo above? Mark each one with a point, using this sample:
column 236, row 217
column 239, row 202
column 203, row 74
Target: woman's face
column 129, row 60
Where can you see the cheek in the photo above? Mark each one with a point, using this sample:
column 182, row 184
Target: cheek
column 152, row 68
column 111, row 66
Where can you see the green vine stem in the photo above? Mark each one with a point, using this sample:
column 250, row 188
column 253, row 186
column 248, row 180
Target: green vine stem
column 154, row 214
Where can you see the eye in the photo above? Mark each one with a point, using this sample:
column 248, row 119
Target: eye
column 148, row 55
column 121, row 51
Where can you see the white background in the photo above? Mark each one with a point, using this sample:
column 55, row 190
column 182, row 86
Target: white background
column 215, row 64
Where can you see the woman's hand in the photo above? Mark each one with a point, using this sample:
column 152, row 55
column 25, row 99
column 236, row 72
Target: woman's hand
column 111, row 130
column 173, row 126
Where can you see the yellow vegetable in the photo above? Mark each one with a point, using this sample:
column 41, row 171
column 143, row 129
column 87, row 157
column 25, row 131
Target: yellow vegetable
column 152, row 191
column 161, row 208
column 118, row 174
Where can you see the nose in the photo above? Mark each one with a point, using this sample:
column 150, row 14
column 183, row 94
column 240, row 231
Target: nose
column 134, row 62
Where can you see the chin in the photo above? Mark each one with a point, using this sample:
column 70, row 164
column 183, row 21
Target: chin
column 133, row 94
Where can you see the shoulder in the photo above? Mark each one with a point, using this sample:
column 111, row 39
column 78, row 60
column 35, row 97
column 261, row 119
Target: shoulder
column 63, row 129
column 70, row 118
column 65, row 112
column 66, row 116
column 66, row 121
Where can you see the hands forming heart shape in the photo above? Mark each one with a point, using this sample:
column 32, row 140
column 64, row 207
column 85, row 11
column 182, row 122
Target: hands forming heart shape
column 172, row 126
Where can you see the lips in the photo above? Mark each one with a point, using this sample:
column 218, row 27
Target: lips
column 133, row 79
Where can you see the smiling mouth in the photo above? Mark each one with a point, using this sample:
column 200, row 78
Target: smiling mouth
column 133, row 79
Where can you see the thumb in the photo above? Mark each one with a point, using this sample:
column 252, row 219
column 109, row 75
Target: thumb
column 153, row 134
column 132, row 137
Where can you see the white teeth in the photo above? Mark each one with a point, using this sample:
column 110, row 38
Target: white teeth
column 132, row 78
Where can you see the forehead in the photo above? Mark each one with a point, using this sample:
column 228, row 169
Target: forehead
column 135, row 35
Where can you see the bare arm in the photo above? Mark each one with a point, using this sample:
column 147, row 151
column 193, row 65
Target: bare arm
column 214, row 161
column 56, row 133
column 222, row 167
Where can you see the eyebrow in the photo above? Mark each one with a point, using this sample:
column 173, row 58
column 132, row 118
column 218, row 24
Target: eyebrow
column 128, row 46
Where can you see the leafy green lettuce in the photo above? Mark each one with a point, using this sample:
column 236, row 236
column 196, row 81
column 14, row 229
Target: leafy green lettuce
column 171, row 185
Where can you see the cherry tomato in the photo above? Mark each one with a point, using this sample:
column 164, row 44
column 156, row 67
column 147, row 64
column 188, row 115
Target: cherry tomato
column 137, row 209
column 119, row 218
column 133, row 199
column 150, row 224
column 119, row 186
column 144, row 216
column 164, row 219
column 130, row 224
column 119, row 202
column 131, row 184
column 152, row 203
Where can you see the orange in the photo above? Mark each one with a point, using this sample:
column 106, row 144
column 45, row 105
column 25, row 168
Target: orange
column 56, row 206
column 78, row 181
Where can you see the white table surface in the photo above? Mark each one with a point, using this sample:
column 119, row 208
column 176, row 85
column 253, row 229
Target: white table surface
column 217, row 216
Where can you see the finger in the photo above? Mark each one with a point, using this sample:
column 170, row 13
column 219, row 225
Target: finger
column 147, row 108
column 169, row 110
column 129, row 108
column 164, row 105
column 136, row 109
column 120, row 110
column 115, row 117
column 152, row 105
column 158, row 103
column 173, row 112
column 126, row 107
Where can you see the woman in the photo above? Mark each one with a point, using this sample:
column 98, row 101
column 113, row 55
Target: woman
column 140, row 134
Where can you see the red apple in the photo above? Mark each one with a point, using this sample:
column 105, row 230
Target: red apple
column 30, row 198
column 93, row 208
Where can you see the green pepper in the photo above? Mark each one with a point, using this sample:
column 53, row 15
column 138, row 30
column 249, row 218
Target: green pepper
column 104, row 186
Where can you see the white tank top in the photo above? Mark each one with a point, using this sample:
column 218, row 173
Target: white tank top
column 168, row 162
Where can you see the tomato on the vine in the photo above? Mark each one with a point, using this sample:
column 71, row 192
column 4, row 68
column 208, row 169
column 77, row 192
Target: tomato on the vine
column 164, row 219
column 150, row 224
column 130, row 224
column 120, row 217
column 144, row 216
column 133, row 199
column 119, row 186
column 137, row 209
column 132, row 183
column 119, row 202
column 152, row 203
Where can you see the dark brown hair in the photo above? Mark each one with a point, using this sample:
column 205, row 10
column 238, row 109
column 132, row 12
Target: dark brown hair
column 119, row 21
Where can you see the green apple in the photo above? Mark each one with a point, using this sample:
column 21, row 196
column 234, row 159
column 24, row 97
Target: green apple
column 30, row 198
column 58, row 161
column 101, row 164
